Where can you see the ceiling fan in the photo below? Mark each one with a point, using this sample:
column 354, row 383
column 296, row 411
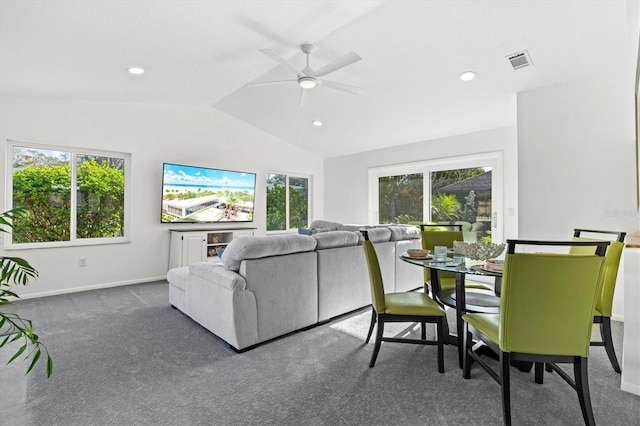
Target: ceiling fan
column 307, row 78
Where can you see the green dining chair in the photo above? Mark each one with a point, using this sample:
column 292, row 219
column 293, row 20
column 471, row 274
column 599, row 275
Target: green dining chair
column 432, row 238
column 400, row 307
column 604, row 304
column 546, row 316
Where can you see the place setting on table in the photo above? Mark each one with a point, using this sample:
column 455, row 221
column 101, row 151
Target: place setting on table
column 474, row 258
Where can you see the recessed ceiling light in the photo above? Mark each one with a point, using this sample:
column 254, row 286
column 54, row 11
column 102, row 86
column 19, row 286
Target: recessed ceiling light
column 317, row 123
column 467, row 76
column 136, row 70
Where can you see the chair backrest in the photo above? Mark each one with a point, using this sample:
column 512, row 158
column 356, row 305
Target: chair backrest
column 604, row 303
column 375, row 276
column 440, row 227
column 547, row 300
column 430, row 239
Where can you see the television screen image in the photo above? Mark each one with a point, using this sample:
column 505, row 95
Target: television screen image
column 192, row 194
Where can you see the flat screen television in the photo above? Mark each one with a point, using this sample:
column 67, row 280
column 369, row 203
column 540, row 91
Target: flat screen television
column 192, row 194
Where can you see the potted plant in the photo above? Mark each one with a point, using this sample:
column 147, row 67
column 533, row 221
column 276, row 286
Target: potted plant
column 13, row 328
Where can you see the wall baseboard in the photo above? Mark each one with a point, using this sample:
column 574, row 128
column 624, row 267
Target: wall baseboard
column 91, row 287
column 630, row 387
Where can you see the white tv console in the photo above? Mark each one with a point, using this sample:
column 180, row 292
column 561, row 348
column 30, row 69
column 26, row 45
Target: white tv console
column 199, row 245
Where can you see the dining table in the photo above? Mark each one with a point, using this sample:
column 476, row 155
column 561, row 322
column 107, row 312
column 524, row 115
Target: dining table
column 461, row 299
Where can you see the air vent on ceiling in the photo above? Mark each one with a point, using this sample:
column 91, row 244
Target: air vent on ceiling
column 520, row 59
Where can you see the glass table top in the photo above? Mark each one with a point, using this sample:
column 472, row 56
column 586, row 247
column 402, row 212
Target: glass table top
column 450, row 265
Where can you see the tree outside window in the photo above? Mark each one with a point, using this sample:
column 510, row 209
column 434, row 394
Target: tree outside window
column 401, row 199
column 287, row 202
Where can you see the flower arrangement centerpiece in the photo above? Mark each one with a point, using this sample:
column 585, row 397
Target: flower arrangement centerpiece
column 478, row 253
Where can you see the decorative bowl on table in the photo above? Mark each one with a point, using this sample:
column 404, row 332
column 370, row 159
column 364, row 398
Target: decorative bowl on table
column 418, row 253
column 478, row 253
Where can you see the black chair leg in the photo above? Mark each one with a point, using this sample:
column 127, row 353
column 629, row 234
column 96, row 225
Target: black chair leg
column 376, row 347
column 505, row 386
column 539, row 372
column 373, row 322
column 547, row 367
column 466, row 359
column 582, row 387
column 423, row 330
column 440, row 337
column 605, row 333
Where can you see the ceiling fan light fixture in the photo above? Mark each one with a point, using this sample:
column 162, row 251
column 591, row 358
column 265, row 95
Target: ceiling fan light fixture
column 307, row 82
column 467, row 76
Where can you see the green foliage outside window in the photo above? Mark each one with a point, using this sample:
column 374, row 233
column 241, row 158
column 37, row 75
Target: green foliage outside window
column 277, row 202
column 400, row 198
column 445, row 207
column 44, row 190
column 298, row 202
column 100, row 200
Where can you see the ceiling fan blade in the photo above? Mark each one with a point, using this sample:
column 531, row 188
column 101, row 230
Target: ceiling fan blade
column 342, row 61
column 270, row 53
column 344, row 87
column 303, row 97
column 267, row 83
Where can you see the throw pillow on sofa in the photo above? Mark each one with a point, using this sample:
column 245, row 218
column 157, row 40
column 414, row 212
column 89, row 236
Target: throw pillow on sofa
column 312, row 231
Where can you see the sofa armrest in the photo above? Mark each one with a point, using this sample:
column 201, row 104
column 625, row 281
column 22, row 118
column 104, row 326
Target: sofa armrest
column 219, row 275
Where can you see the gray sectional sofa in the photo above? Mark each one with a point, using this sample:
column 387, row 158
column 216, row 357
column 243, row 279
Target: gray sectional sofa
column 265, row 287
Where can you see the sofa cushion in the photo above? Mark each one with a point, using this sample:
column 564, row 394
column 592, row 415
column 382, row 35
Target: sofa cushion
column 377, row 235
column 336, row 239
column 250, row 247
column 354, row 227
column 325, row 224
column 218, row 274
column 403, row 232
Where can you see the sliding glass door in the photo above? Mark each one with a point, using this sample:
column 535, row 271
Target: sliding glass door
column 460, row 190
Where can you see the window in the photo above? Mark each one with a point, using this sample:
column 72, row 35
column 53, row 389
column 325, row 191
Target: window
column 464, row 190
column 287, row 202
column 72, row 196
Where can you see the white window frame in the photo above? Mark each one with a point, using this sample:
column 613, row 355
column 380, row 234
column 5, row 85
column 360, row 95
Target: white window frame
column 490, row 159
column 73, row 240
column 309, row 178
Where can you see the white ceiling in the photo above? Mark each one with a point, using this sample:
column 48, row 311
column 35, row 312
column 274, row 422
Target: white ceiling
column 204, row 52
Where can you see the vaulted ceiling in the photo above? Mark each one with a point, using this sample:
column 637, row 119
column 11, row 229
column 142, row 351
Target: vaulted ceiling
column 205, row 52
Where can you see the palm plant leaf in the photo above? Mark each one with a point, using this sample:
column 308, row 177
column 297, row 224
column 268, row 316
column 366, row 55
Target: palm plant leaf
column 7, row 218
column 17, row 271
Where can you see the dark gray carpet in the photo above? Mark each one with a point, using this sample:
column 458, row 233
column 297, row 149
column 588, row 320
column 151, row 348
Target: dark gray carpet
column 123, row 356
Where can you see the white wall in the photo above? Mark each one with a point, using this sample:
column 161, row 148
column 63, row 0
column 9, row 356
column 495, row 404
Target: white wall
column 346, row 178
column 577, row 168
column 153, row 134
column 576, row 158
